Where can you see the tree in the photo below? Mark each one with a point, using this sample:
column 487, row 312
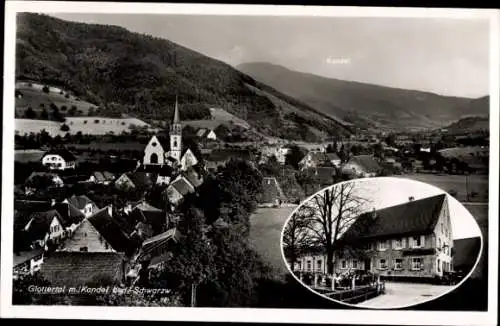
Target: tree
column 390, row 140
column 295, row 154
column 296, row 235
column 64, row 127
column 44, row 115
column 334, row 211
column 45, row 89
column 30, row 113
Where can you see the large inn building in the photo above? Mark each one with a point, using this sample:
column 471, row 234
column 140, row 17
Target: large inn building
column 407, row 241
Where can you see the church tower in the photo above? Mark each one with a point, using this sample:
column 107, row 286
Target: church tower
column 176, row 135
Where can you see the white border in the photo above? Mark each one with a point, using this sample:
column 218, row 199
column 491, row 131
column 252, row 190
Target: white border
column 242, row 314
column 357, row 306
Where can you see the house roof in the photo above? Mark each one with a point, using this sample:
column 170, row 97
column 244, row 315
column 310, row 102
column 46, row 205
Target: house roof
column 367, row 162
column 323, row 174
column 28, row 155
column 79, row 268
column 193, row 177
column 182, row 186
column 141, row 179
column 466, row 252
column 110, row 230
column 201, row 132
column 410, row 218
column 64, row 153
column 99, row 177
column 108, row 175
column 332, row 156
column 157, row 241
column 40, row 223
column 80, row 201
column 69, row 213
column 24, row 256
column 271, row 190
column 149, row 214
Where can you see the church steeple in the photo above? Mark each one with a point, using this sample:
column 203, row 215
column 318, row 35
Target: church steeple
column 176, row 134
column 176, row 112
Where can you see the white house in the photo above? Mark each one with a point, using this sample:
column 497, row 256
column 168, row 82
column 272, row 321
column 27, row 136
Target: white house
column 59, row 159
column 27, row 262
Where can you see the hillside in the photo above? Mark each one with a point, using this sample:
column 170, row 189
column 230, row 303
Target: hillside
column 366, row 105
column 469, row 124
column 125, row 72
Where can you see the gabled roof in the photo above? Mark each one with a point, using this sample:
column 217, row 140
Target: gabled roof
column 201, row 132
column 79, row 268
column 466, row 252
column 193, row 177
column 367, row 162
column 25, row 256
column 108, row 175
column 182, row 186
column 149, row 214
column 110, row 230
column 99, row 177
column 28, row 155
column 325, row 175
column 332, row 156
column 158, row 240
column 411, row 218
column 69, row 213
column 80, row 201
column 39, row 224
column 271, row 190
column 64, row 153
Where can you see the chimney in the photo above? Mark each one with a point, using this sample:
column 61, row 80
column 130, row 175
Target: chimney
column 411, row 198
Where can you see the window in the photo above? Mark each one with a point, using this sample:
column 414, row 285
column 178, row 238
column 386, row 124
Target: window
column 383, row 245
column 344, row 264
column 416, row 264
column 354, row 263
column 367, row 246
column 398, row 243
column 309, row 265
column 382, row 264
column 438, row 265
column 398, row 264
column 418, row 241
column 84, row 249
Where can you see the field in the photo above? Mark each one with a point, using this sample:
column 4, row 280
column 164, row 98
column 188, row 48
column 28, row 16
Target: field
column 87, row 125
column 465, row 151
column 265, row 234
column 34, row 96
column 476, row 183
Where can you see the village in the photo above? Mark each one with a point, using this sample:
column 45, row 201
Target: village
column 108, row 204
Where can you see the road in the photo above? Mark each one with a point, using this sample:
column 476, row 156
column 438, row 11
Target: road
column 405, row 294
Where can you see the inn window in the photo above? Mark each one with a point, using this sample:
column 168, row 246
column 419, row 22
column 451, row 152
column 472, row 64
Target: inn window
column 354, row 263
column 398, row 243
column 299, row 264
column 438, row 265
column 344, row 264
column 416, row 263
column 398, row 264
column 319, row 264
column 382, row 264
column 383, row 245
column 418, row 241
column 309, row 265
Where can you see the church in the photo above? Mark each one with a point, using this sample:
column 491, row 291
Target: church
column 156, row 155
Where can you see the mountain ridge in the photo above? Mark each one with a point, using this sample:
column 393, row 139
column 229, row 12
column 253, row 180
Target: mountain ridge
column 373, row 106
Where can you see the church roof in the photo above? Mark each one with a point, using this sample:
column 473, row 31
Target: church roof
column 176, row 112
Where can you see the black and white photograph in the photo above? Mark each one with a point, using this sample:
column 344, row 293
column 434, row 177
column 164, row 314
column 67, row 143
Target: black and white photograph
column 361, row 243
column 281, row 161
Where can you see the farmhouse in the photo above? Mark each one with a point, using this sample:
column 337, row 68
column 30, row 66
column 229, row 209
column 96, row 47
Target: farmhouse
column 277, row 151
column 27, row 262
column 38, row 228
column 59, row 159
column 319, row 158
column 205, row 133
column 362, row 166
column 412, row 240
column 83, row 204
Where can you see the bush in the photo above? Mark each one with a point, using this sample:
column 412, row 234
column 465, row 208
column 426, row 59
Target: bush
column 67, row 95
column 96, row 121
column 84, row 122
column 45, row 89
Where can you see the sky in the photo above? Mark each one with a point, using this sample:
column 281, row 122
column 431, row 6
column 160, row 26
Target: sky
column 384, row 192
column 448, row 56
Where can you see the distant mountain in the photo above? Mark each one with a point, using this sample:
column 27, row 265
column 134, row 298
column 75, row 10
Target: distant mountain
column 367, row 105
column 141, row 75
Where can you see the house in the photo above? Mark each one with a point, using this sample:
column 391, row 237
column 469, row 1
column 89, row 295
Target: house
column 40, row 227
column 319, row 158
column 412, row 240
column 311, row 260
column 150, row 215
column 272, row 195
column 188, row 160
column 71, row 216
column 278, row 152
column 99, row 233
column 42, row 180
column 205, row 133
column 83, row 204
column 155, row 250
column 101, row 177
column 59, row 159
column 322, row 175
column 27, row 262
column 137, row 179
column 124, row 182
column 362, row 166
column 176, row 191
column 74, row 268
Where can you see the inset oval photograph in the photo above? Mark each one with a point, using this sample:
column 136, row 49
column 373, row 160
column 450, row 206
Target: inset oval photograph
column 381, row 243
